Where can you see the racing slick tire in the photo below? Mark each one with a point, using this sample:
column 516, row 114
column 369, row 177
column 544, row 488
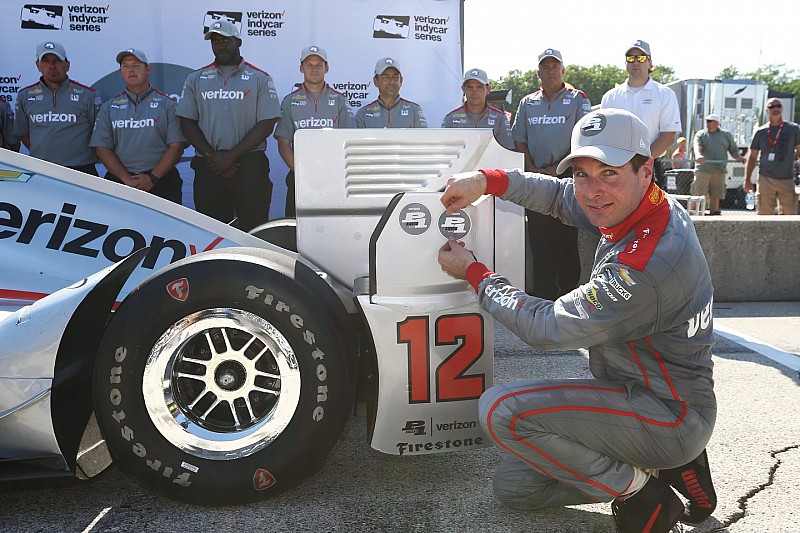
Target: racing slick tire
column 226, row 377
column 280, row 232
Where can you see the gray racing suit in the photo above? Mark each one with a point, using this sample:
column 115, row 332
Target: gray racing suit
column 645, row 315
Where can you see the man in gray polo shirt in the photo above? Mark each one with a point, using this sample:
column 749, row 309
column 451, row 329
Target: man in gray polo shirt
column 542, row 131
column 8, row 140
column 55, row 115
column 476, row 112
column 137, row 135
column 314, row 104
column 227, row 111
column 389, row 110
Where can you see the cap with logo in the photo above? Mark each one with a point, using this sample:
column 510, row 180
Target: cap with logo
column 50, row 47
column 612, row 136
column 550, row 52
column 712, row 116
column 138, row 54
column 226, row 28
column 641, row 45
column 476, row 74
column 313, row 50
column 384, row 63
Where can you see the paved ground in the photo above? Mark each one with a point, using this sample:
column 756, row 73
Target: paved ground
column 755, row 458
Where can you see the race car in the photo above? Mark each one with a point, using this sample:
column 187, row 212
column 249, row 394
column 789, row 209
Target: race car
column 220, row 368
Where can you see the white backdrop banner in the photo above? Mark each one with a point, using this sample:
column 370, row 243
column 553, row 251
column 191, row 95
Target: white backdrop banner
column 424, row 36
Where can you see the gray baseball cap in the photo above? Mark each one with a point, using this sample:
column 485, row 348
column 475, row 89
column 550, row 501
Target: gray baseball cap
column 612, row 136
column 313, row 50
column 384, row 63
column 641, row 45
column 50, row 47
column 226, row 28
column 476, row 74
column 551, row 52
column 138, row 54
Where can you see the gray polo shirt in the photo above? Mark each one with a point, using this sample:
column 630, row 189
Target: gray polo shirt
column 303, row 110
column 138, row 128
column 227, row 107
column 402, row 114
column 491, row 117
column 785, row 140
column 7, row 136
column 546, row 126
column 59, row 123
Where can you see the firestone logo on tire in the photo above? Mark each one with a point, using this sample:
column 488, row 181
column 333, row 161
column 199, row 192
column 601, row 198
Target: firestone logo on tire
column 262, row 480
column 179, row 289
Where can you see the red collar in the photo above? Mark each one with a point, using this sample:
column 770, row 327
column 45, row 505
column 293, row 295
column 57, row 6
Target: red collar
column 652, row 201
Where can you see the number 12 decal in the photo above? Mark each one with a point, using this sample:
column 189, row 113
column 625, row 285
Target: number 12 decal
column 463, row 331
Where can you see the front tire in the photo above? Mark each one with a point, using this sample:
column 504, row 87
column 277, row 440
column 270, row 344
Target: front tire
column 224, row 378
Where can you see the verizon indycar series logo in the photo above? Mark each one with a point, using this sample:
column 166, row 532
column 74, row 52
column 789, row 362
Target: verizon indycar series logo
column 81, row 17
column 425, row 28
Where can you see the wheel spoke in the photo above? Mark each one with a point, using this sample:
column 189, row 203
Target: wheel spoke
column 195, row 361
column 196, row 377
column 211, row 346
column 268, row 391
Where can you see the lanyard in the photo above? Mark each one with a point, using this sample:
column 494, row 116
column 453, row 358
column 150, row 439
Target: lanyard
column 769, row 137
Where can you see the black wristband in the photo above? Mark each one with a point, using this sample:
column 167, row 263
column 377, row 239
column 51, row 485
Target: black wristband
column 155, row 179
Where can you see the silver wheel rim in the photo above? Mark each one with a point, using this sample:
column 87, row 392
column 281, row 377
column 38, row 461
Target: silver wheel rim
column 221, row 384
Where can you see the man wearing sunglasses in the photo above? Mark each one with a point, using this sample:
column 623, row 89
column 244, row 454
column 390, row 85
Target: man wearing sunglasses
column 778, row 143
column 655, row 104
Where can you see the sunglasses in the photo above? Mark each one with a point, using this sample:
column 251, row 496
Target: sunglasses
column 639, row 59
column 773, row 106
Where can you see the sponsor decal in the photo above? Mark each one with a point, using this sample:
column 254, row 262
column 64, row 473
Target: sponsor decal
column 67, row 233
column 55, row 117
column 222, row 94
column 130, row 123
column 617, row 286
column 591, row 297
column 576, row 301
column 265, row 23
column 414, row 427
column 415, row 219
column 13, row 175
column 701, row 321
column 634, row 245
column 546, row 119
column 625, row 274
column 426, row 28
column 657, row 196
column 262, row 480
column 456, row 224
column 315, row 122
column 80, row 17
column 449, row 444
column 603, row 285
column 503, row 296
column 594, row 125
column 179, row 289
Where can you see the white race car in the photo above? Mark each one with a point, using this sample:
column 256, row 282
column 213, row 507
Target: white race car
column 229, row 365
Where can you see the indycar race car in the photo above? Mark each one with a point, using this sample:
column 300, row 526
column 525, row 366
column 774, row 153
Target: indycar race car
column 219, row 368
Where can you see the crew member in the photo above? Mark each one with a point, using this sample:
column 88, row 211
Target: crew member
column 227, row 111
column 8, row 140
column 137, row 135
column 55, row 115
column 314, row 104
column 389, row 110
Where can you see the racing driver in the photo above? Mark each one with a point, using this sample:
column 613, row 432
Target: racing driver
column 639, row 428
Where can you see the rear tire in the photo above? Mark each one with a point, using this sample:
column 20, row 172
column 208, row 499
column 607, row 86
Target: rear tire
column 223, row 379
column 280, row 232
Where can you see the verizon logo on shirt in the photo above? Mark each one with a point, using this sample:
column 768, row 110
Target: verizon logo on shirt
column 315, row 123
column 134, row 124
column 533, row 121
column 221, row 94
column 55, row 117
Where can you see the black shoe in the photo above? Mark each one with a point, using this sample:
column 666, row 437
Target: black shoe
column 654, row 509
column 693, row 480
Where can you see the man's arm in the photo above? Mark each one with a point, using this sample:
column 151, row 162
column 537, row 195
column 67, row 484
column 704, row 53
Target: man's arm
column 168, row 160
column 522, row 148
column 112, row 163
column 662, row 142
column 752, row 158
column 286, row 151
column 697, row 148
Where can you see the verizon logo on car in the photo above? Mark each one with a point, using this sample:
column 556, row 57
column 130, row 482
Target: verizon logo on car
column 55, row 117
column 133, row 123
column 221, row 94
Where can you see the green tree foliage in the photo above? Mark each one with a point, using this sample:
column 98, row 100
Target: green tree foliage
column 594, row 81
column 777, row 77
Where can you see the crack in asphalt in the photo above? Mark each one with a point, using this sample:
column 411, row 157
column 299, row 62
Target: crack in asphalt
column 744, row 499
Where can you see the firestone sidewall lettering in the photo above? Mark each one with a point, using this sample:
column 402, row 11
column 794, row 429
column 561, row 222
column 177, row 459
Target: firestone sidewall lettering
column 321, row 371
column 449, row 444
column 73, row 235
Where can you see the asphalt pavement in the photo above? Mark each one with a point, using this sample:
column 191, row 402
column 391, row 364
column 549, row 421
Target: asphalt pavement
column 754, row 456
